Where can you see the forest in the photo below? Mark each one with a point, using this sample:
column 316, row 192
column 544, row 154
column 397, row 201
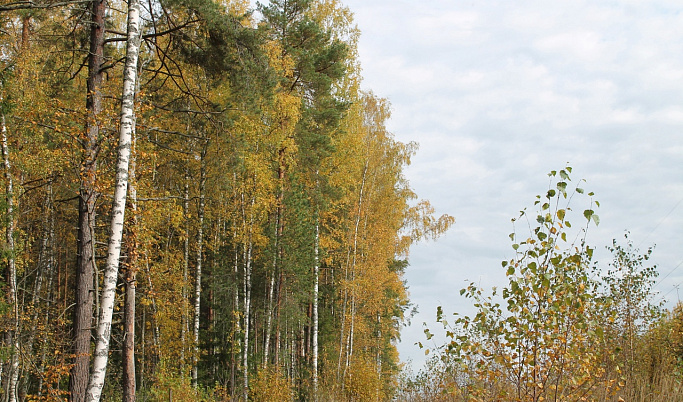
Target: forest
column 199, row 202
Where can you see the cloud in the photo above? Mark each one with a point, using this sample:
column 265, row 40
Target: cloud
column 498, row 93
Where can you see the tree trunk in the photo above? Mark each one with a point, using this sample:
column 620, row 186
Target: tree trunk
column 186, row 272
column 119, row 206
column 13, row 333
column 129, row 385
column 198, row 270
column 85, row 266
column 50, row 280
column 237, row 327
column 43, row 266
column 247, row 312
column 352, row 263
column 316, row 272
column 248, row 227
column 129, row 337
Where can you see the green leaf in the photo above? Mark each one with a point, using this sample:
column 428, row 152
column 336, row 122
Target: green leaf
column 596, row 219
column 551, row 193
column 564, row 175
column 560, row 214
column 511, row 270
column 588, row 213
column 579, row 190
column 564, row 236
column 462, row 291
column 515, row 247
column 562, row 186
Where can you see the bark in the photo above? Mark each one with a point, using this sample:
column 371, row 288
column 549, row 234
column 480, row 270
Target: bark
column 50, row 280
column 25, row 30
column 351, row 260
column 101, row 353
column 271, row 289
column 316, row 273
column 247, row 305
column 248, row 227
column 129, row 385
column 83, row 309
column 186, row 271
column 156, row 334
column 42, row 266
column 198, row 270
column 13, row 333
column 278, row 332
column 276, row 252
column 237, row 326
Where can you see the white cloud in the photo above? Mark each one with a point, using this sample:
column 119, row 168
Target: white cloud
column 498, row 93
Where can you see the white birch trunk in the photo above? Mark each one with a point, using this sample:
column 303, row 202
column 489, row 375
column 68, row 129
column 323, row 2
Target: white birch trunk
column 50, row 281
column 316, row 272
column 156, row 334
column 9, row 233
column 247, row 298
column 198, row 270
column 349, row 344
column 269, row 314
column 247, row 305
column 101, row 353
column 128, row 354
column 184, row 326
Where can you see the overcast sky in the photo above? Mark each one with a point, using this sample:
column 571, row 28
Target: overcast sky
column 498, row 93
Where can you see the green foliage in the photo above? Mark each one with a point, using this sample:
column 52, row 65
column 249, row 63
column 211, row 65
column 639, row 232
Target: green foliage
column 545, row 341
column 628, row 285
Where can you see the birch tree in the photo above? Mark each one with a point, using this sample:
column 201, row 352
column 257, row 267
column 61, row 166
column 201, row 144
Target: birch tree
column 118, row 210
column 13, row 334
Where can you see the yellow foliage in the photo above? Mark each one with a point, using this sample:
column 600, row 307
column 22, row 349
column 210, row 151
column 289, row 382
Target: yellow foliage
column 270, row 385
column 363, row 381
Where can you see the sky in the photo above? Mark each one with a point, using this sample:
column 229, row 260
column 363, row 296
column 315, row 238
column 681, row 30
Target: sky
column 499, row 93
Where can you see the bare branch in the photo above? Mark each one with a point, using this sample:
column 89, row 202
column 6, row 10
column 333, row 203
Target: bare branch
column 30, row 5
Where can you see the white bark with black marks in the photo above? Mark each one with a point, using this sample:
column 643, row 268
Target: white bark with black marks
column 101, row 353
column 12, row 334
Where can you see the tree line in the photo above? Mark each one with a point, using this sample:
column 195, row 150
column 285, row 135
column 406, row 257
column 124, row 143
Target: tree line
column 199, row 203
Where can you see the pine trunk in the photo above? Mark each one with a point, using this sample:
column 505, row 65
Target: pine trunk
column 85, row 269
